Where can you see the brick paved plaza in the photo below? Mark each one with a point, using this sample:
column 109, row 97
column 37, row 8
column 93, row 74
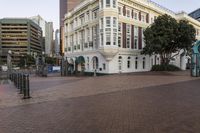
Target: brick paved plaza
column 127, row 103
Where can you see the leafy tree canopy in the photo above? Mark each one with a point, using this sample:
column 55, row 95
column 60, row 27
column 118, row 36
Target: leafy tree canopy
column 166, row 36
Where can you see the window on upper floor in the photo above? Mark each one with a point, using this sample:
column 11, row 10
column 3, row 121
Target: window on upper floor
column 128, row 13
column 135, row 37
column 71, row 25
column 119, row 27
column 114, row 3
column 82, row 19
column 95, row 14
column 119, row 10
column 114, row 38
column 135, row 15
column 102, row 3
column 88, row 15
column 128, row 42
column 108, row 21
column 101, row 23
column 66, row 28
column 143, row 18
column 152, row 20
column 107, row 3
column 102, row 40
column 128, row 28
column 114, row 22
column 119, row 41
column 108, row 38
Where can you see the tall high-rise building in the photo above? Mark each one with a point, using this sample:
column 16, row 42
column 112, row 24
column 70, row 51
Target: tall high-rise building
column 57, row 42
column 20, row 35
column 49, row 39
column 47, row 29
column 65, row 6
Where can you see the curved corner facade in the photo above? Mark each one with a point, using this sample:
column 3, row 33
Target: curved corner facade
column 106, row 36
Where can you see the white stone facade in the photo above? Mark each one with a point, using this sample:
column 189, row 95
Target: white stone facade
column 108, row 35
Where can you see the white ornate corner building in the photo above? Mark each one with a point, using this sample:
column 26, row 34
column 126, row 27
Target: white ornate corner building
column 107, row 35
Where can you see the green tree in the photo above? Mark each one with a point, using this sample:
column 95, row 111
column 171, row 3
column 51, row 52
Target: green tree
column 50, row 60
column 167, row 36
column 26, row 60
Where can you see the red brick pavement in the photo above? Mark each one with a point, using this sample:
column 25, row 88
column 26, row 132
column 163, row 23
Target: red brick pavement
column 160, row 105
column 173, row 108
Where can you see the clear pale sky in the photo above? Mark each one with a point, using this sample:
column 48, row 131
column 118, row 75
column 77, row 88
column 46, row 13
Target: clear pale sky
column 49, row 9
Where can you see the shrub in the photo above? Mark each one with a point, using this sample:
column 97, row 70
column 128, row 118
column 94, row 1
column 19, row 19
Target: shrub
column 165, row 68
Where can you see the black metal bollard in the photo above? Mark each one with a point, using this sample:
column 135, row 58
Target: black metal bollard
column 26, row 87
column 18, row 80
column 21, row 83
column 15, row 80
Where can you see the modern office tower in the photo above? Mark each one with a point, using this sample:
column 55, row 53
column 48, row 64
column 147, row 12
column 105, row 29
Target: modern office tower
column 20, row 35
column 106, row 36
column 195, row 14
column 57, row 42
column 47, row 29
column 49, row 39
column 65, row 6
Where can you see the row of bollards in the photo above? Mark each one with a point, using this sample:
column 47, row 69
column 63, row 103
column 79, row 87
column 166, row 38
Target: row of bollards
column 21, row 82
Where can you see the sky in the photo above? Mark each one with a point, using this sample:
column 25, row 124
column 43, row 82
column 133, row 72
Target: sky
column 49, row 9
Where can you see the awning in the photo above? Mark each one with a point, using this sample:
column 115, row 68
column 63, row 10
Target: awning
column 80, row 59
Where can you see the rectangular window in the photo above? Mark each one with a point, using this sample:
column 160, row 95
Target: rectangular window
column 102, row 40
column 143, row 64
column 101, row 23
column 136, row 64
column 108, row 39
column 104, row 66
column 135, row 43
column 128, row 41
column 114, row 3
column 128, row 13
column 128, row 64
column 114, row 22
column 128, row 28
column 135, row 15
column 107, row 3
column 143, row 18
column 119, row 27
column 102, row 3
column 120, row 10
column 114, row 38
column 88, row 15
column 119, row 41
column 107, row 21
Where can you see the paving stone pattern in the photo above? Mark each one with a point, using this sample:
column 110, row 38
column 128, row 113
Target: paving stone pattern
column 108, row 104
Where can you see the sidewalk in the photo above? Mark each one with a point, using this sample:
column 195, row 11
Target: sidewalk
column 53, row 88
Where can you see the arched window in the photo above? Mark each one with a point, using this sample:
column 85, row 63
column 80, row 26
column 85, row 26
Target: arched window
column 136, row 62
column 95, row 62
column 144, row 63
column 128, row 62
